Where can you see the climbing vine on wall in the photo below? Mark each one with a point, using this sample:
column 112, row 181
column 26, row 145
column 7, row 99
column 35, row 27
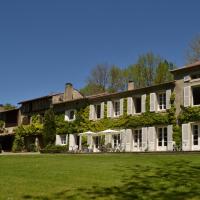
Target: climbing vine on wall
column 189, row 114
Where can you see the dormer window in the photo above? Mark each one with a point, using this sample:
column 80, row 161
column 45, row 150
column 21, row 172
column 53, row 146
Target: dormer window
column 69, row 115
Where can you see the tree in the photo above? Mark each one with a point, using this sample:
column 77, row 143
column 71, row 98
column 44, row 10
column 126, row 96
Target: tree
column 99, row 76
column 148, row 63
column 116, row 79
column 91, row 88
column 49, row 130
column 97, row 82
column 193, row 51
column 8, row 106
column 149, row 69
column 163, row 72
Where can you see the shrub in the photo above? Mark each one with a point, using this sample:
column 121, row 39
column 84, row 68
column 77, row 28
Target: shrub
column 55, row 149
column 18, row 144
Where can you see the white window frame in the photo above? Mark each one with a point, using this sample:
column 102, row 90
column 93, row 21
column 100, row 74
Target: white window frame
column 116, row 114
column 63, row 140
column 137, row 144
column 164, row 138
column 117, row 140
column 67, row 115
column 196, row 146
column 162, row 105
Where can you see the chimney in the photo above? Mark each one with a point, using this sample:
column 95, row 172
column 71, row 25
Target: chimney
column 68, row 94
column 130, row 85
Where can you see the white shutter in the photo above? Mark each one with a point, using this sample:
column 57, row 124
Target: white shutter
column 187, row 96
column 128, row 139
column 152, row 102
column 58, row 140
column 170, row 137
column 123, row 139
column 67, row 115
column 129, row 106
column 91, row 114
column 102, row 110
column 143, row 99
column 109, row 109
column 151, row 138
column 186, row 135
column 72, row 141
column 121, row 106
column 168, row 96
column 144, row 138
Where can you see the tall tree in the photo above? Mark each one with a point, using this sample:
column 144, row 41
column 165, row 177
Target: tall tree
column 8, row 106
column 148, row 63
column 163, row 72
column 99, row 76
column 193, row 51
column 49, row 130
column 116, row 79
column 97, row 82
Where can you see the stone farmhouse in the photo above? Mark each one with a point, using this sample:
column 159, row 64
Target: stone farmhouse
column 163, row 117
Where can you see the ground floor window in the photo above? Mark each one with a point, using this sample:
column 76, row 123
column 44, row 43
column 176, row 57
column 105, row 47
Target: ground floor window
column 137, row 138
column 99, row 141
column 117, row 140
column 195, row 135
column 63, row 139
column 162, row 136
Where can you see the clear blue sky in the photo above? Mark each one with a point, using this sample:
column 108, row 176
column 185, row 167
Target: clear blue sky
column 44, row 44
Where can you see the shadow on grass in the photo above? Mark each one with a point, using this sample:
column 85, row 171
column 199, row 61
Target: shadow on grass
column 174, row 181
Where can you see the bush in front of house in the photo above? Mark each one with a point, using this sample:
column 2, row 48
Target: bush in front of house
column 55, row 149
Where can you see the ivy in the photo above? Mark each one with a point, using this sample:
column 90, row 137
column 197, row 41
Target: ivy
column 189, row 114
column 125, row 106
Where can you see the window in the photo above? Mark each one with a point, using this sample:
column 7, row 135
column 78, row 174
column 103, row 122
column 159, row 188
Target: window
column 162, row 137
column 116, row 108
column 162, row 101
column 138, row 138
column 195, row 135
column 99, row 141
column 117, row 140
column 70, row 115
column 196, row 95
column 63, row 139
column 98, row 111
column 138, row 105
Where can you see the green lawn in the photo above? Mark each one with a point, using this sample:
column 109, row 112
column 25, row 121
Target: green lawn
column 118, row 176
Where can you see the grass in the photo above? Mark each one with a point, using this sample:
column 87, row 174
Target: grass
column 118, row 176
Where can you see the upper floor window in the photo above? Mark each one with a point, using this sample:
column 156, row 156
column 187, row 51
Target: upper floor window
column 70, row 115
column 97, row 111
column 138, row 105
column 116, row 107
column 196, row 95
column 162, row 101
